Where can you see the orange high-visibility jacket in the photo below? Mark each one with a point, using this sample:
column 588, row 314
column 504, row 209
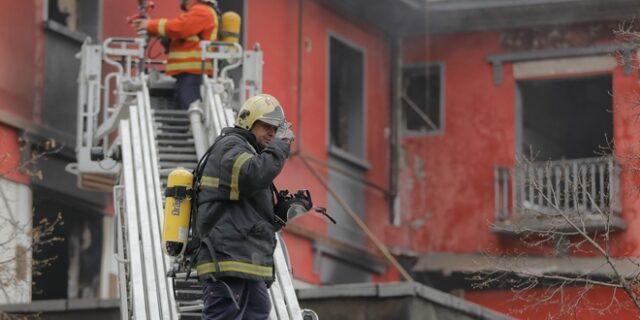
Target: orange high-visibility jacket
column 186, row 31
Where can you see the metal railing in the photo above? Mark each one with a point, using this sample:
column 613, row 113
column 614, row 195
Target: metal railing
column 575, row 187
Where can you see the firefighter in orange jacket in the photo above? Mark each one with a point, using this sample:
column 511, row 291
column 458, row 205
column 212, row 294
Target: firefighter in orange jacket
column 198, row 22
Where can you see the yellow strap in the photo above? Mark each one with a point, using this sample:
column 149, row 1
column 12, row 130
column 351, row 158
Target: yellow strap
column 186, row 66
column 211, row 182
column 193, row 38
column 236, row 266
column 184, row 55
column 235, row 175
column 162, row 25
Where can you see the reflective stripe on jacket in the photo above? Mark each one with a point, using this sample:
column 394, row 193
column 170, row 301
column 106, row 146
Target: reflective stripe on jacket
column 200, row 22
column 235, row 207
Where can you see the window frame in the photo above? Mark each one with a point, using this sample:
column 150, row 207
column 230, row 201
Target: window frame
column 77, row 35
column 359, row 161
column 441, row 127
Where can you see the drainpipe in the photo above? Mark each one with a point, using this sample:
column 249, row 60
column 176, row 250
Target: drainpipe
column 300, row 66
column 394, row 143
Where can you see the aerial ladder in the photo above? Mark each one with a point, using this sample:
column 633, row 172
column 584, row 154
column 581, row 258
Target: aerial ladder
column 129, row 140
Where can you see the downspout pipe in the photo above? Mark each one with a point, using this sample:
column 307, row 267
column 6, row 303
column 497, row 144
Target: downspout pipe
column 394, row 143
column 298, row 139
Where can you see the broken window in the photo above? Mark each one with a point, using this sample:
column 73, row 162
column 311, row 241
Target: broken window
column 68, row 265
column 81, row 16
column 422, row 98
column 346, row 97
column 566, row 118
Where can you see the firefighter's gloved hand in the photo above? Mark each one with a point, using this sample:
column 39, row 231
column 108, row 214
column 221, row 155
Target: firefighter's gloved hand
column 284, row 132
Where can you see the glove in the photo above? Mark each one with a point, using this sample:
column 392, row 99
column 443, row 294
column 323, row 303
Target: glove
column 284, row 132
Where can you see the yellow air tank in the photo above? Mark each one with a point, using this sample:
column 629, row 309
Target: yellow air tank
column 177, row 212
column 230, row 27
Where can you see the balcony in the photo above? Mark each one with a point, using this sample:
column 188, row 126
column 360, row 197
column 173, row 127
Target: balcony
column 560, row 196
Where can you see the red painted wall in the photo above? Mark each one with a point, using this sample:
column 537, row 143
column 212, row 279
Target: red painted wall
column 448, row 178
column 10, row 156
column 274, row 24
column 599, row 303
column 21, row 75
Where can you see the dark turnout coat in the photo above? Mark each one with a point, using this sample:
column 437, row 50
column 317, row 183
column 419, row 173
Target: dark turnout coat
column 235, row 207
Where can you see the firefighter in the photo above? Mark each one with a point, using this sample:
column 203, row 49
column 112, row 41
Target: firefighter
column 199, row 21
column 236, row 221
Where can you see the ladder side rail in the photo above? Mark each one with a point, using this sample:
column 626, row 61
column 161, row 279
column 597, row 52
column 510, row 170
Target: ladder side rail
column 152, row 194
column 159, row 200
column 278, row 307
column 208, row 111
column 200, row 136
column 221, row 113
column 217, row 121
column 283, row 275
column 230, row 117
column 137, row 284
column 148, row 268
column 218, row 111
column 121, row 256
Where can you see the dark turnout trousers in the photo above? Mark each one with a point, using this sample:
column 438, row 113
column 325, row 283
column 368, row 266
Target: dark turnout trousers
column 251, row 296
column 187, row 90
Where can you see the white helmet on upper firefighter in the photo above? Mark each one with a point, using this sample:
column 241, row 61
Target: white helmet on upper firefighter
column 263, row 107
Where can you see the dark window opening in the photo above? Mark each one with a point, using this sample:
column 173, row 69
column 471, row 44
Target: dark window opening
column 346, row 97
column 567, row 118
column 66, row 264
column 422, row 98
column 75, row 15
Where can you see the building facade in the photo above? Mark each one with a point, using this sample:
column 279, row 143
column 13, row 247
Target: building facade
column 417, row 118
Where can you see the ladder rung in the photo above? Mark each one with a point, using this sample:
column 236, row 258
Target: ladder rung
column 171, row 149
column 178, row 157
column 188, row 294
column 173, row 120
column 172, row 128
column 190, row 316
column 173, row 135
column 171, row 142
column 172, row 165
column 170, row 113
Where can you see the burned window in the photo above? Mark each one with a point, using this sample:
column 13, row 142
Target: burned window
column 422, row 98
column 346, row 97
column 566, row 118
column 77, row 16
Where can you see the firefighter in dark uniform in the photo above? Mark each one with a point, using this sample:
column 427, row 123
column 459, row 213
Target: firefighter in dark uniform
column 236, row 219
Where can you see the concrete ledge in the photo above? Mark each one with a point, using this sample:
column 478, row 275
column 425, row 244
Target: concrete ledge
column 391, row 291
column 61, row 305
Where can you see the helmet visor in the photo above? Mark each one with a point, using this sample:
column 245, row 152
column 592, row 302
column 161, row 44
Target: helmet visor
column 274, row 117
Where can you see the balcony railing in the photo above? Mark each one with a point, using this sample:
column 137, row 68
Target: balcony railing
column 575, row 188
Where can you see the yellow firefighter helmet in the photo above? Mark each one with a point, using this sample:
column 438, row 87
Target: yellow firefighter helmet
column 263, row 107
